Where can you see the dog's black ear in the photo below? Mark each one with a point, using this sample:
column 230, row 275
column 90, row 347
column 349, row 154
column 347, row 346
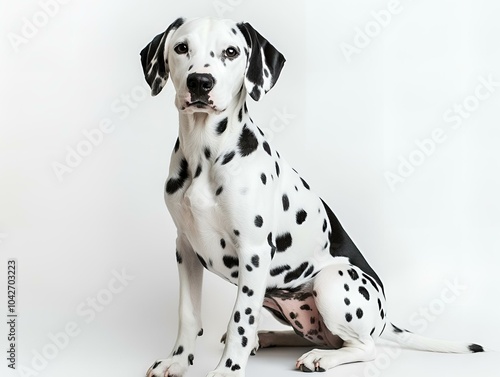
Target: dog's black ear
column 154, row 59
column 264, row 62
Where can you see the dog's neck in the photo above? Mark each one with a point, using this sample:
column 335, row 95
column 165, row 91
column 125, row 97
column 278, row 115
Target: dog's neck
column 203, row 136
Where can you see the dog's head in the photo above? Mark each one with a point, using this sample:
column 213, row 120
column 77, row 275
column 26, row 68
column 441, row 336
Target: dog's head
column 210, row 61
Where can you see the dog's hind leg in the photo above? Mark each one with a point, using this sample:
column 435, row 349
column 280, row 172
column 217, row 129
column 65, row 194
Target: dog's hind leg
column 352, row 307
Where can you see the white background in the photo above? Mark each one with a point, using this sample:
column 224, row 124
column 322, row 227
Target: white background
column 353, row 119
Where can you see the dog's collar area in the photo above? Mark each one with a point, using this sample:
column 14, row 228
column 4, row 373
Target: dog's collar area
column 213, row 129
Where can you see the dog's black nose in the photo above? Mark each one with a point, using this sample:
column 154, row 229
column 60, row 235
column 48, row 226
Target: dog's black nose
column 200, row 83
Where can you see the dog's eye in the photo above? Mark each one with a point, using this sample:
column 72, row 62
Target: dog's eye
column 181, row 48
column 231, row 52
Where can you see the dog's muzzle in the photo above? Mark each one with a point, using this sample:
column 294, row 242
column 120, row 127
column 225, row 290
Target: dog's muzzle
column 199, row 86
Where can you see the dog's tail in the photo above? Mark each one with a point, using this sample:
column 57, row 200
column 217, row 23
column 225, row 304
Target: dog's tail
column 407, row 339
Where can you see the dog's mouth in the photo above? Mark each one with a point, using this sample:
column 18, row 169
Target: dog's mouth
column 198, row 104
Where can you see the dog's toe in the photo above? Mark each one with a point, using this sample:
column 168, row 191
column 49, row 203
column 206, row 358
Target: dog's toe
column 223, row 338
column 303, row 368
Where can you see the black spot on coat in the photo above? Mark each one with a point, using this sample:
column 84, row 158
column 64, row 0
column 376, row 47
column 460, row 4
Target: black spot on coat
column 258, row 221
column 309, row 271
column 283, row 242
column 270, row 242
column 174, row 184
column 396, row 329
column 279, row 270
column 359, row 313
column 364, row 293
column 198, row 171
column 207, row 153
column 221, row 127
column 247, row 291
column 372, row 282
column 230, row 261
column 353, row 274
column 228, row 157
column 295, row 274
column 255, row 261
column 267, row 148
column 286, row 202
column 247, row 143
column 301, row 216
column 263, row 178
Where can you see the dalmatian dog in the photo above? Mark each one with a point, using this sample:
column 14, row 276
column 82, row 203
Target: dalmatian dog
column 244, row 214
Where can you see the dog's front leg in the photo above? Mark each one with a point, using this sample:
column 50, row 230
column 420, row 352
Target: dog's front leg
column 241, row 336
column 190, row 280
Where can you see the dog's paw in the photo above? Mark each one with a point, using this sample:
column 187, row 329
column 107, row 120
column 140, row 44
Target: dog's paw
column 166, row 368
column 316, row 360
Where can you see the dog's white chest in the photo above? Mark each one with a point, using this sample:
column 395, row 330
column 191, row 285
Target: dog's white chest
column 200, row 215
column 198, row 209
column 199, row 201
